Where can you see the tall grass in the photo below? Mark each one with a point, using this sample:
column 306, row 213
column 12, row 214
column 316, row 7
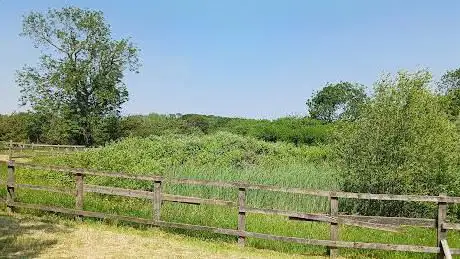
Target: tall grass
column 224, row 157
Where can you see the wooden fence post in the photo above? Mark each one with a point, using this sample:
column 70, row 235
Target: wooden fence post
column 446, row 249
column 79, row 193
column 241, row 215
column 10, row 150
column 10, row 184
column 157, row 200
column 441, row 233
column 334, row 226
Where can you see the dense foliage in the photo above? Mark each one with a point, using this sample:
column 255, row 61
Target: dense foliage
column 219, row 156
column 403, row 143
column 221, row 149
column 32, row 127
column 296, row 130
column 15, row 127
column 449, row 90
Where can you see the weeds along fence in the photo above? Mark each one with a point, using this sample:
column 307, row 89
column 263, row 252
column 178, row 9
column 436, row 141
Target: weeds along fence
column 25, row 150
column 158, row 197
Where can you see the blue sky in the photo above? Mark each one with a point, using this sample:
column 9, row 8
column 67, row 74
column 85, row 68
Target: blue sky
column 259, row 59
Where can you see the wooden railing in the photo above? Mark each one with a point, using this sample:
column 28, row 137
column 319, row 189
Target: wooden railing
column 16, row 149
column 157, row 196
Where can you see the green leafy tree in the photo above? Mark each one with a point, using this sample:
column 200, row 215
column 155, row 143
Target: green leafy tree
column 79, row 78
column 449, row 90
column 337, row 101
column 402, row 143
column 14, row 127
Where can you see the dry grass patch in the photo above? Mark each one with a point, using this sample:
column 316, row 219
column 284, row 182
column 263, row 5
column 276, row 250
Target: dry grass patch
column 22, row 160
column 25, row 236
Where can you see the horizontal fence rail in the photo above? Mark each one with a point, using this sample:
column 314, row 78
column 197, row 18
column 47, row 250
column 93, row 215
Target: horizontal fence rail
column 17, row 149
column 157, row 197
column 16, row 144
column 321, row 193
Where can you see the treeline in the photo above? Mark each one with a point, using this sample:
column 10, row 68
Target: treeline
column 32, row 127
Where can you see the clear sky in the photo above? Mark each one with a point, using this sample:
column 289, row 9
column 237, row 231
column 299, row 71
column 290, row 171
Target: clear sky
column 252, row 58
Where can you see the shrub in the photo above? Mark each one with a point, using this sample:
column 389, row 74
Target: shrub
column 296, row 130
column 221, row 149
column 403, row 143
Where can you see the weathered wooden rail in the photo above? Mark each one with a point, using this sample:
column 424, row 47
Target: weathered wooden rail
column 16, row 149
column 157, row 196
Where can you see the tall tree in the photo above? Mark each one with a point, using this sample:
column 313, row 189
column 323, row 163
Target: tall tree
column 337, row 101
column 79, row 77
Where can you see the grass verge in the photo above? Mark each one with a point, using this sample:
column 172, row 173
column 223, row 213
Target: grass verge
column 52, row 237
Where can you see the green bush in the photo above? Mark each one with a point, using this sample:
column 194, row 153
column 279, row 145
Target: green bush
column 221, row 149
column 152, row 124
column 15, row 127
column 296, row 130
column 221, row 156
column 403, row 143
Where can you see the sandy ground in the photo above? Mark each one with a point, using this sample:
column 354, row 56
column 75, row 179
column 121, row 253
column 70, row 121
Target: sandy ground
column 22, row 236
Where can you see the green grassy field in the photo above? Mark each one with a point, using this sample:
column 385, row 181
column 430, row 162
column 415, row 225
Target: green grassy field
column 226, row 157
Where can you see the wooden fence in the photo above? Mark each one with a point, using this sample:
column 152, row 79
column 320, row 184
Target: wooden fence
column 157, row 196
column 16, row 149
